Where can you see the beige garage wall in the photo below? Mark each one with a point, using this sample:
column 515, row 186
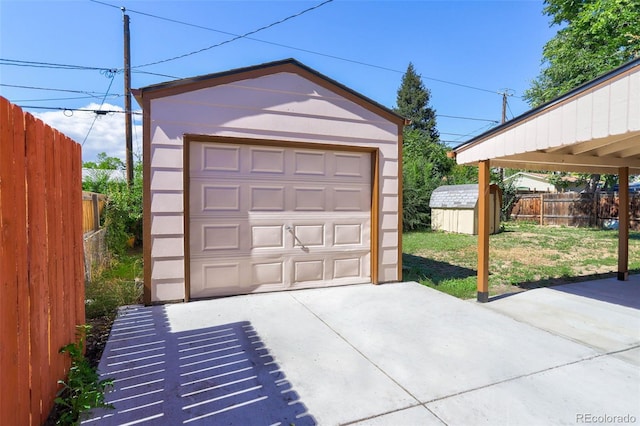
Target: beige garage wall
column 282, row 107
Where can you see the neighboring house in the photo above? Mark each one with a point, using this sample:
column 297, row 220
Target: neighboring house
column 539, row 182
column 106, row 174
column 267, row 178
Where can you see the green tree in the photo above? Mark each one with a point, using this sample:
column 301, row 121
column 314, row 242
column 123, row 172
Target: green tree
column 425, row 162
column 595, row 37
column 105, row 163
column 413, row 103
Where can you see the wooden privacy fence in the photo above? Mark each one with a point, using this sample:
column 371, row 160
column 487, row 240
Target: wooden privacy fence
column 41, row 262
column 92, row 207
column 574, row 209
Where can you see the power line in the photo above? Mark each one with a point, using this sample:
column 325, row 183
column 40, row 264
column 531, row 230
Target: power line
column 313, row 52
column 37, row 64
column 237, row 37
column 84, row 92
column 111, row 75
column 60, row 99
column 95, row 111
column 477, row 131
column 154, row 73
column 467, row 118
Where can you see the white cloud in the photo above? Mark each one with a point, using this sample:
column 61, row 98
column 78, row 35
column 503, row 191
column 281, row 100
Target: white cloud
column 107, row 134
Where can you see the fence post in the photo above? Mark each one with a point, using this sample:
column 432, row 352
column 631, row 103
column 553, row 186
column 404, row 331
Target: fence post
column 96, row 211
column 541, row 209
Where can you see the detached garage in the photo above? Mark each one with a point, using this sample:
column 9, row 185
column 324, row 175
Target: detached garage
column 267, row 178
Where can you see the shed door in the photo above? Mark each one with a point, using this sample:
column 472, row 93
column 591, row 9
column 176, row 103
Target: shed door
column 265, row 218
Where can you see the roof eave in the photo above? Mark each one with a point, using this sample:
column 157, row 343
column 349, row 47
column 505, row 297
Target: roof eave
column 548, row 105
column 286, row 65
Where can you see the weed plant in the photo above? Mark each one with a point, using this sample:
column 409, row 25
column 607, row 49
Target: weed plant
column 83, row 390
column 116, row 286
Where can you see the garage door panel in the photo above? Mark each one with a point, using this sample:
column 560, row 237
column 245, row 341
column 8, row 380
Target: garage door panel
column 216, row 158
column 221, row 237
column 267, row 198
column 351, row 199
column 309, row 235
column 351, row 165
column 347, row 234
column 277, row 218
column 218, row 198
column 309, row 163
column 268, row 273
column 309, row 199
column 269, row 236
column 267, row 160
column 347, row 268
column 308, row 270
column 216, row 276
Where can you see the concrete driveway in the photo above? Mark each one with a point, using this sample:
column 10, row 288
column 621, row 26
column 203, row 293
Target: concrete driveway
column 393, row 354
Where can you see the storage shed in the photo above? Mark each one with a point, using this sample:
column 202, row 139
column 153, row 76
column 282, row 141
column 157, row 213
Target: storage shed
column 454, row 208
column 267, row 178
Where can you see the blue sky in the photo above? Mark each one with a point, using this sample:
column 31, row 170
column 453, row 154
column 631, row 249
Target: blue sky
column 364, row 44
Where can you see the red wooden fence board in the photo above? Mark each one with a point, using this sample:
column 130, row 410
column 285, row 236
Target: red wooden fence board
column 41, row 262
column 9, row 390
column 20, row 247
column 38, row 290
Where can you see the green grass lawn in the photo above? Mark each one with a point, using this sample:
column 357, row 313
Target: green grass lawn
column 524, row 256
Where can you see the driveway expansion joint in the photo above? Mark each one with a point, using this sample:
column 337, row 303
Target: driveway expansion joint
column 357, row 350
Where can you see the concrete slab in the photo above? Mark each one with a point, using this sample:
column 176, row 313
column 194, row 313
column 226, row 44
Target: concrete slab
column 392, row 354
column 599, row 314
column 338, row 384
column 418, row 415
column 434, row 345
column 569, row 395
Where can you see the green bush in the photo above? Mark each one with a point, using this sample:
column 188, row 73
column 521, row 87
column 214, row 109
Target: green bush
column 83, row 390
column 123, row 213
column 119, row 285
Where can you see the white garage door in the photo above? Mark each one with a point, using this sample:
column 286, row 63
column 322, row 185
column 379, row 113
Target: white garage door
column 265, row 218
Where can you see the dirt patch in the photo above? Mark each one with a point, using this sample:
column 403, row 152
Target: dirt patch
column 97, row 339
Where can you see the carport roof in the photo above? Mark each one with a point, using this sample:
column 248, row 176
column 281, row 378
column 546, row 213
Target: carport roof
column 290, row 65
column 594, row 128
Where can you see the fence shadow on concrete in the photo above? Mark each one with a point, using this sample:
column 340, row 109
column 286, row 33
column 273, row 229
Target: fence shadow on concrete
column 216, row 375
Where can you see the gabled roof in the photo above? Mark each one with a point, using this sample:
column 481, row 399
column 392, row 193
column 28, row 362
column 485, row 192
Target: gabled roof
column 174, row 87
column 455, row 196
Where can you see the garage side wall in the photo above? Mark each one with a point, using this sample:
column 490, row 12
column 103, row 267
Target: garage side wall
column 281, row 107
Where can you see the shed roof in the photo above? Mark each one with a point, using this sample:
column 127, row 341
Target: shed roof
column 290, row 65
column 455, row 196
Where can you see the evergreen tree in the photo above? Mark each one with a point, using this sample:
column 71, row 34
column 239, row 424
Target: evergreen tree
column 424, row 158
column 413, row 103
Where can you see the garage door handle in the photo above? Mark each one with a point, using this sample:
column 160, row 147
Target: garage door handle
column 290, row 229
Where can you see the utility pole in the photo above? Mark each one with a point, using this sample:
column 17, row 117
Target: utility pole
column 504, row 106
column 504, row 94
column 127, row 97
